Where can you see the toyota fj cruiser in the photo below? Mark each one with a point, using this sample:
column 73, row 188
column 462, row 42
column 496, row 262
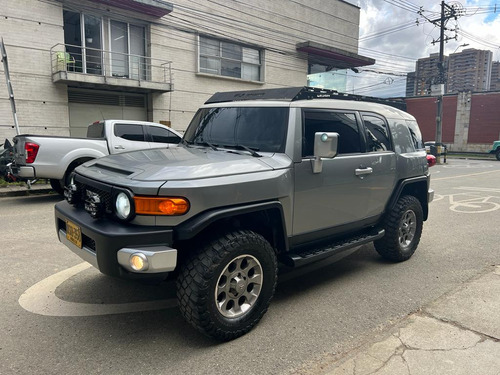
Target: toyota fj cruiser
column 260, row 178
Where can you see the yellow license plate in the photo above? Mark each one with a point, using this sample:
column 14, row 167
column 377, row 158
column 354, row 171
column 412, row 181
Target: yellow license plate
column 74, row 233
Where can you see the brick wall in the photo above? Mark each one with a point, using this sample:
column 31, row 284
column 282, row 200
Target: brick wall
column 485, row 118
column 469, row 124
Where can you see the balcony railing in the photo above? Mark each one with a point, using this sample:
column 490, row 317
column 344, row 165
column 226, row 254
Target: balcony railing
column 89, row 67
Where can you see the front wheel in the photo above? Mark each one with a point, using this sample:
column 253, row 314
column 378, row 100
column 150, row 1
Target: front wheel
column 403, row 228
column 497, row 154
column 225, row 289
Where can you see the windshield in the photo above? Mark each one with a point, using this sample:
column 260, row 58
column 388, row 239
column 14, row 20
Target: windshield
column 258, row 128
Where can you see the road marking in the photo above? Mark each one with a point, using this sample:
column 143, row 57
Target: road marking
column 41, row 299
column 464, row 175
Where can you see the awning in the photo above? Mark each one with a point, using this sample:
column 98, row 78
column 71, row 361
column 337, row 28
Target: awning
column 156, row 8
column 335, row 57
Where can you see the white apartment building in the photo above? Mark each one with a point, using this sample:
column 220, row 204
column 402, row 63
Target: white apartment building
column 74, row 62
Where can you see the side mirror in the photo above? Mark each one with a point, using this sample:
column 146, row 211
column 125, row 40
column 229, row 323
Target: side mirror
column 325, row 146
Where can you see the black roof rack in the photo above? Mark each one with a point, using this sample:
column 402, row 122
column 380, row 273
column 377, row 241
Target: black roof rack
column 298, row 93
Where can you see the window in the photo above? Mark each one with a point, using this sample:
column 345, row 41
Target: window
column 229, row 59
column 403, row 142
column 344, row 124
column 128, row 46
column 87, row 38
column 130, row 132
column 416, row 136
column 83, row 37
column 260, row 128
column 161, row 135
column 377, row 134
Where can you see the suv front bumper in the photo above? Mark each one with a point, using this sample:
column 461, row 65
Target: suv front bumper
column 108, row 246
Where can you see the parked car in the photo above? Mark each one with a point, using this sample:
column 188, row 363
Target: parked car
column 496, row 149
column 432, row 145
column 54, row 158
column 291, row 177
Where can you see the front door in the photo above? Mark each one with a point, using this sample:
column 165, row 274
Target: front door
column 351, row 188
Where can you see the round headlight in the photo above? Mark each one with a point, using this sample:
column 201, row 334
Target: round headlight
column 122, row 205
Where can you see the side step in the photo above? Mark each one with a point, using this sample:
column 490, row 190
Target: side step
column 313, row 255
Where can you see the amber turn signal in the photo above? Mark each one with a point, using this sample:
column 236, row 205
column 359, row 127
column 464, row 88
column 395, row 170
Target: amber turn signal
column 161, row 206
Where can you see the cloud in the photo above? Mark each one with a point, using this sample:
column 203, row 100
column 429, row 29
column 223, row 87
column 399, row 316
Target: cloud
column 390, row 33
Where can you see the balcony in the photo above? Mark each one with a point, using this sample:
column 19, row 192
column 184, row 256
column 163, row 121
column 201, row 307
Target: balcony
column 101, row 69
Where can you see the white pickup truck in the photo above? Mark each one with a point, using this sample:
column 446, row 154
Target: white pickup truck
column 54, row 158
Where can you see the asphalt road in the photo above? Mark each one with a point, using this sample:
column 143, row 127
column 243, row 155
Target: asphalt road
column 60, row 316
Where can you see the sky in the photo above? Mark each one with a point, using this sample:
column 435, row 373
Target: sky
column 390, row 34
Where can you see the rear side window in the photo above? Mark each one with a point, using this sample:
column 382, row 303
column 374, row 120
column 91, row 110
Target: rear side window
column 343, row 123
column 96, row 130
column 416, row 136
column 403, row 142
column 377, row 134
column 163, row 135
column 131, row 132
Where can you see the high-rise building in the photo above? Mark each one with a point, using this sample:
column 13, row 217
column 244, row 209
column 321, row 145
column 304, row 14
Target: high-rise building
column 469, row 70
column 495, row 76
column 410, row 84
column 427, row 73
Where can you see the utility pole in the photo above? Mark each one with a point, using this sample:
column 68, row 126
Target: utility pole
column 447, row 12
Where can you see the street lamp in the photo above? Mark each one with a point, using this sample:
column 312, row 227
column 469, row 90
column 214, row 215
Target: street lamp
column 461, row 45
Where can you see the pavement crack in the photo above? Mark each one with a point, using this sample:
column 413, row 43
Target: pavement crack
column 460, row 326
column 397, row 353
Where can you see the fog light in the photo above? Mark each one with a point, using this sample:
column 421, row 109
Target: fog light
column 139, row 262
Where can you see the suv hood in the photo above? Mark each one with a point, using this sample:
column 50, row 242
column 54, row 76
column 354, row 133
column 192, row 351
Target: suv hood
column 180, row 163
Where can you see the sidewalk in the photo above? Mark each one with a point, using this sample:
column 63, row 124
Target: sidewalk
column 16, row 191
column 457, row 334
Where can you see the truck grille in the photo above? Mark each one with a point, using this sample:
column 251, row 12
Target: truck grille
column 97, row 200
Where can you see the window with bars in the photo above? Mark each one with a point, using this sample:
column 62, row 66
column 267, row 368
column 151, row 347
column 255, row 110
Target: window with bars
column 229, row 59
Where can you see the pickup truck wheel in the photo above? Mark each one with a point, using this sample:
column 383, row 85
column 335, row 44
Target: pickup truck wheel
column 225, row 289
column 403, row 228
column 56, row 186
column 497, row 154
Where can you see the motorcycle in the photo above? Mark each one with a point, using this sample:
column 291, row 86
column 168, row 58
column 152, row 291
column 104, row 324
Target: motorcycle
column 6, row 159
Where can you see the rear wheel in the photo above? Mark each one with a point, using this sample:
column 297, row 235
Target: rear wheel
column 498, row 154
column 225, row 289
column 56, row 186
column 403, row 228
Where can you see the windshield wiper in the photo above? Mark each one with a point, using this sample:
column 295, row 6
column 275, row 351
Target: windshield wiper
column 246, row 148
column 204, row 143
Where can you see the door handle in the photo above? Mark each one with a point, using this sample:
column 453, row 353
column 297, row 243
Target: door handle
column 119, row 147
column 362, row 171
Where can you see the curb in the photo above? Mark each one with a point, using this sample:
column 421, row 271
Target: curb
column 20, row 191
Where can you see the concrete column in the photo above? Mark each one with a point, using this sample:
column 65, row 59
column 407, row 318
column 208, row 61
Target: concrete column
column 462, row 121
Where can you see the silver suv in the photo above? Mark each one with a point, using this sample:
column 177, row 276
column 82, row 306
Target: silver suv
column 260, row 178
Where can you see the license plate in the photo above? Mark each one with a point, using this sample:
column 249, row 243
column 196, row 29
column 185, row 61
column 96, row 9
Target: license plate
column 74, row 233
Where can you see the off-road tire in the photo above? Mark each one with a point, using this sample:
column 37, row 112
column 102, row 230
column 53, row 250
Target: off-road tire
column 200, row 279
column 497, row 154
column 403, row 228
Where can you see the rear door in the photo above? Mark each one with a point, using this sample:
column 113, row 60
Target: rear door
column 380, row 159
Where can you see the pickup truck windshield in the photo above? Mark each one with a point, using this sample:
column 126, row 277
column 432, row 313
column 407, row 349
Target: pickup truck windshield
column 258, row 128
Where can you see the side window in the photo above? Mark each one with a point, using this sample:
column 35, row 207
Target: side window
column 344, row 124
column 416, row 136
column 163, row 135
column 403, row 142
column 377, row 134
column 131, row 132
